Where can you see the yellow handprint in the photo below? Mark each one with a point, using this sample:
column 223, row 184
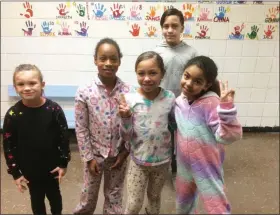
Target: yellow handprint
column 152, row 31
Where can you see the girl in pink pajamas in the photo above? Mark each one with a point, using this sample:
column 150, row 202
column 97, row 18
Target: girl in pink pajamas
column 205, row 123
column 97, row 130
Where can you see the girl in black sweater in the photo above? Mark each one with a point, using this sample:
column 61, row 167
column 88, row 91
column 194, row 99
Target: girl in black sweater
column 36, row 144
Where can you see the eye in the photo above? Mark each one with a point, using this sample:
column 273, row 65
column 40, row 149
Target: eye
column 19, row 84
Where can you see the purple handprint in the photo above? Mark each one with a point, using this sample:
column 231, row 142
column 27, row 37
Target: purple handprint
column 84, row 29
column 30, row 28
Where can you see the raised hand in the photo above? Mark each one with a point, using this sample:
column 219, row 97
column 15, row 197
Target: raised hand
column 124, row 110
column 226, row 95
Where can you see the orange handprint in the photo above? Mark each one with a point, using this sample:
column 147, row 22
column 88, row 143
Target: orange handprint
column 152, row 12
column 28, row 10
column 135, row 30
column 188, row 11
column 152, row 31
column 273, row 12
column 270, row 30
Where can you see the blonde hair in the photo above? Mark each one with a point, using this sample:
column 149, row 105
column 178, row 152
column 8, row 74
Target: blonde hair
column 27, row 67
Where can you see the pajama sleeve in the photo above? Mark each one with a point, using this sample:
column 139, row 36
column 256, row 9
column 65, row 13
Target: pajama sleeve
column 222, row 120
column 10, row 144
column 82, row 127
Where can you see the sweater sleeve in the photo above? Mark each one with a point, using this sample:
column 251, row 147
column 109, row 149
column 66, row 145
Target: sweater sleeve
column 63, row 144
column 82, row 127
column 10, row 144
column 222, row 120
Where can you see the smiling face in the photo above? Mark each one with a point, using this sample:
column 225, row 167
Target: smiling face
column 149, row 75
column 107, row 61
column 28, row 85
column 172, row 29
column 193, row 82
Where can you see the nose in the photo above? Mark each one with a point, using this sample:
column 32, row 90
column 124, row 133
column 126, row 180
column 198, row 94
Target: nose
column 188, row 83
column 26, row 87
column 147, row 78
column 108, row 62
column 170, row 29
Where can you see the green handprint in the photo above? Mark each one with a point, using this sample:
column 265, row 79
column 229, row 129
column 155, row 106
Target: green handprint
column 254, row 32
column 81, row 10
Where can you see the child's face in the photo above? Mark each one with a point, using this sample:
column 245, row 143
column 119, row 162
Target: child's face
column 107, row 61
column 172, row 30
column 149, row 75
column 193, row 82
column 28, row 85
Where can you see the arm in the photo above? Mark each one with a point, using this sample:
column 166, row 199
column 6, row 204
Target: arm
column 10, row 144
column 63, row 145
column 82, row 130
column 171, row 119
column 222, row 120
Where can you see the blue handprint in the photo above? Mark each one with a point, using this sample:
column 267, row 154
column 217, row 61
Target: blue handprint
column 46, row 27
column 99, row 10
column 222, row 12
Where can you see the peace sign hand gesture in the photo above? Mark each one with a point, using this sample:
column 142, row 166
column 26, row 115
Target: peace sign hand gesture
column 226, row 95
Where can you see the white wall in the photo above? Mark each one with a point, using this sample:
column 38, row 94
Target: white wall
column 251, row 66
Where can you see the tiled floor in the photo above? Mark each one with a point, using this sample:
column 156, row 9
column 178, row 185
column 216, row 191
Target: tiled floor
column 251, row 177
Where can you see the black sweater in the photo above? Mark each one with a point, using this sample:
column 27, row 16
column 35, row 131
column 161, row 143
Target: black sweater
column 35, row 140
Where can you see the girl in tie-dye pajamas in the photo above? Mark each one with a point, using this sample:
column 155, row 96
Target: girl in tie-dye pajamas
column 97, row 130
column 144, row 124
column 205, row 123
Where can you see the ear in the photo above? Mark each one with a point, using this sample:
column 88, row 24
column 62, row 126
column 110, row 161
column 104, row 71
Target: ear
column 43, row 84
column 182, row 30
column 94, row 60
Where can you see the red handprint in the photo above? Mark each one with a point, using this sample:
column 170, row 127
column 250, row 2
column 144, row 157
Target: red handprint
column 116, row 11
column 203, row 31
column 61, row 9
column 28, row 10
column 135, row 30
column 270, row 30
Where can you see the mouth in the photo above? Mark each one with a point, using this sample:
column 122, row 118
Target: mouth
column 108, row 70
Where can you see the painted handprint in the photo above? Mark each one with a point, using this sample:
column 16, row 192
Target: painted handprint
column 99, row 10
column 83, row 29
column 254, row 32
column 30, row 27
column 28, row 10
column 188, row 11
column 203, row 31
column 62, row 10
column 187, row 31
column 273, row 15
column 135, row 30
column 81, row 10
column 204, row 13
column 237, row 32
column 222, row 12
column 65, row 29
column 268, row 33
column 117, row 10
column 134, row 12
column 151, row 31
column 46, row 27
column 152, row 12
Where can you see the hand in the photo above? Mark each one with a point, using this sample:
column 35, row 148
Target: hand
column 19, row 181
column 61, row 173
column 93, row 167
column 124, row 109
column 135, row 30
column 226, row 95
column 120, row 159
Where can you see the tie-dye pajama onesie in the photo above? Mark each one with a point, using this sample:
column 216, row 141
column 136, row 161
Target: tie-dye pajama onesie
column 150, row 149
column 203, row 128
column 97, row 131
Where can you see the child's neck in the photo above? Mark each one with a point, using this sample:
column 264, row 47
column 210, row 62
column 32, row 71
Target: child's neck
column 34, row 103
column 149, row 95
column 109, row 83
